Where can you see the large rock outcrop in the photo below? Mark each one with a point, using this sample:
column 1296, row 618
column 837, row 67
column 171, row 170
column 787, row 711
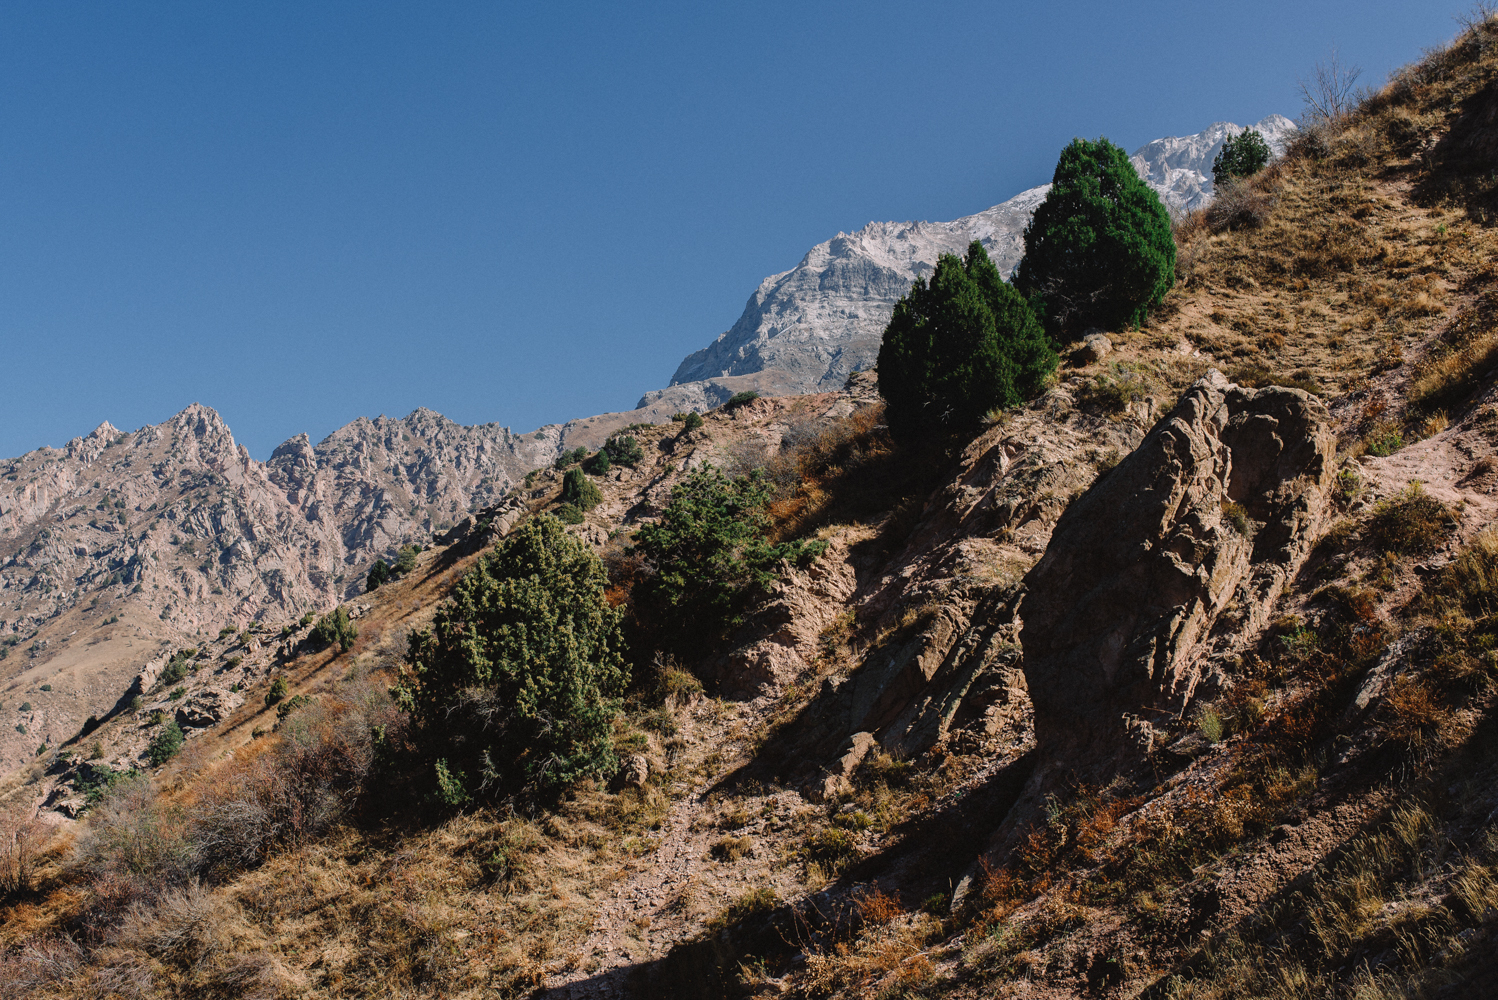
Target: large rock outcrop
column 1207, row 519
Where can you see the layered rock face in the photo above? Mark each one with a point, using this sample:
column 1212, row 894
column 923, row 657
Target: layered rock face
column 1204, row 523
column 813, row 325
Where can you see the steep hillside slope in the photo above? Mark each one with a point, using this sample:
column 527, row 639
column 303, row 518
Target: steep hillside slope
column 814, row 324
column 1260, row 762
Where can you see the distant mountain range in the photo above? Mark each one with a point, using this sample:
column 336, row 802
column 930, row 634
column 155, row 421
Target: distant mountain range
column 806, row 329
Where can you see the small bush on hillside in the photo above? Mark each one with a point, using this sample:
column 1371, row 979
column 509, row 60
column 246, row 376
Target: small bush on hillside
column 1384, row 441
column 22, row 836
column 623, row 449
column 291, row 705
column 957, row 347
column 176, row 669
column 568, row 513
column 276, row 693
column 379, row 574
column 1114, row 389
column 335, row 627
column 1238, row 206
column 1412, row 522
column 1099, row 249
column 709, row 555
column 570, row 458
column 579, row 491
column 516, row 682
column 405, row 560
column 165, row 744
column 693, row 420
column 1242, row 155
column 1471, row 581
column 597, row 465
column 738, row 399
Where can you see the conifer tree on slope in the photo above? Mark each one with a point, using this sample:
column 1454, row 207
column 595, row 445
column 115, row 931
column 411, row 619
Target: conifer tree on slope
column 1099, row 251
column 1242, row 155
column 957, row 347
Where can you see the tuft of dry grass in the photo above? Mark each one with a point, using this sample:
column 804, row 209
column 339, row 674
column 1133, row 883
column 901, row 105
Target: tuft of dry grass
column 1457, row 367
column 1412, row 522
column 1416, row 718
column 732, row 849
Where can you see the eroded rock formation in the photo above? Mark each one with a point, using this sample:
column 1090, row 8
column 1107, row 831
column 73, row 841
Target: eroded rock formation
column 1206, row 520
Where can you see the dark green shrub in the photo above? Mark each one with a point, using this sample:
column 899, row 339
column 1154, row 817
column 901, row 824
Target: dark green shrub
column 379, row 574
column 708, row 556
column 1099, row 250
column 568, row 513
column 1242, row 155
column 177, row 668
column 405, row 560
column 177, row 694
column 165, row 744
column 738, row 399
column 693, row 420
column 335, row 627
column 46, row 687
column 623, row 449
column 597, row 465
column 957, row 347
column 516, row 682
column 276, row 693
column 25, row 706
column 580, row 491
column 569, row 458
column 291, row 705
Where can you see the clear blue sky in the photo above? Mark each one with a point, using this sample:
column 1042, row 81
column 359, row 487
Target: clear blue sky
column 303, row 213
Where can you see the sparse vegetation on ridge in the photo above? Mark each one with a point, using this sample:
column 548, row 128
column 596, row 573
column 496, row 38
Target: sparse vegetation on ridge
column 707, row 556
column 957, row 347
column 1317, row 821
column 1241, row 155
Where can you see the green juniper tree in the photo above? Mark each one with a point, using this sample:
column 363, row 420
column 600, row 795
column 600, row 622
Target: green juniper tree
column 1242, row 155
column 957, row 347
column 516, row 682
column 580, row 491
column 623, row 449
column 379, row 574
column 1099, row 250
column 710, row 555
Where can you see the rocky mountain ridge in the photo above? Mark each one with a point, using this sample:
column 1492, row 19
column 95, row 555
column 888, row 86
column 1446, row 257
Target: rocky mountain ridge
column 813, row 325
column 119, row 545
